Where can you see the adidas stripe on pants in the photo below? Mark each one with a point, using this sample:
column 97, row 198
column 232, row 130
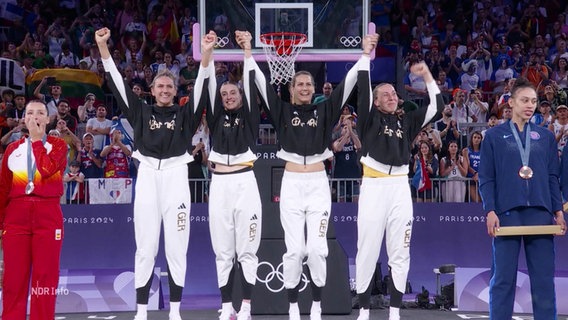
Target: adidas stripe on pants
column 305, row 200
column 161, row 195
column 385, row 205
column 235, row 220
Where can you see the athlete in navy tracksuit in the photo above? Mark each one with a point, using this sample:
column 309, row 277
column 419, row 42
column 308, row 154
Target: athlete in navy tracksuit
column 515, row 197
column 304, row 133
column 162, row 135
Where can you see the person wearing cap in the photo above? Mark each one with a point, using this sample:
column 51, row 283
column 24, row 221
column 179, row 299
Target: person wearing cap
column 91, row 162
column 31, row 220
column 51, row 99
column 385, row 202
column 518, row 181
column 162, row 135
column 74, row 183
column 15, row 114
column 491, row 122
column 544, row 117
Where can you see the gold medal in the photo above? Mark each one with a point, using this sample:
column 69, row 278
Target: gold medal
column 29, row 187
column 525, row 172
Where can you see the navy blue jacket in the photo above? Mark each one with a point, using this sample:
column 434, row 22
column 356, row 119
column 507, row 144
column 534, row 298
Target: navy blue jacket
column 501, row 187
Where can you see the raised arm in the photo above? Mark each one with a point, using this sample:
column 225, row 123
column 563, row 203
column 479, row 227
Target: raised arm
column 436, row 100
column 101, row 37
column 341, row 93
column 206, row 69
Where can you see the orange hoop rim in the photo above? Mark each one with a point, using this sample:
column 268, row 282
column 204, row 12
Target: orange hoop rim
column 286, row 39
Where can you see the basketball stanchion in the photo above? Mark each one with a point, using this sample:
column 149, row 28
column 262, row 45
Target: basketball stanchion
column 281, row 50
column 528, row 230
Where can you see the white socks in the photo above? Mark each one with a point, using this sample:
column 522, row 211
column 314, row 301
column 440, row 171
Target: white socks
column 394, row 313
column 141, row 312
column 174, row 310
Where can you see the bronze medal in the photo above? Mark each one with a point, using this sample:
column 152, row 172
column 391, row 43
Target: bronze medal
column 525, row 172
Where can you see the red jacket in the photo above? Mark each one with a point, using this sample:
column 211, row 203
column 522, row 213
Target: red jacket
column 51, row 160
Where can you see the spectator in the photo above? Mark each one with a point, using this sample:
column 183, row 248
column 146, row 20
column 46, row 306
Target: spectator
column 560, row 73
column 501, row 75
column 63, row 114
column 454, row 168
column 116, row 157
column 87, row 110
column 170, row 65
column 554, row 95
column 448, row 128
column 91, row 162
column 52, row 99
column 533, row 71
column 187, row 74
column 195, row 171
column 424, row 163
column 14, row 134
column 74, row 184
column 133, row 51
column 470, row 80
column 416, row 87
column 452, row 64
column 346, row 164
column 477, row 106
column 473, row 155
column 158, row 55
column 93, row 59
column 66, row 58
column 560, row 126
column 99, row 127
column 445, row 85
column 327, row 89
column 492, row 122
column 73, row 143
column 544, row 117
column 56, row 35
column 501, row 103
column 15, row 112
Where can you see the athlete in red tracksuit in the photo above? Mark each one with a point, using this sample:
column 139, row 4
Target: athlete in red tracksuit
column 31, row 219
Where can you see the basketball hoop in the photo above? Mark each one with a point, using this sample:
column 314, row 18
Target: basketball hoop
column 281, row 49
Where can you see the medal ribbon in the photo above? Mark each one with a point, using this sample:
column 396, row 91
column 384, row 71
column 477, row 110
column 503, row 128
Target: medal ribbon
column 32, row 166
column 525, row 152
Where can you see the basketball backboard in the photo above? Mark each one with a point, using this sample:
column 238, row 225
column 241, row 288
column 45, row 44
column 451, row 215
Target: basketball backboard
column 334, row 28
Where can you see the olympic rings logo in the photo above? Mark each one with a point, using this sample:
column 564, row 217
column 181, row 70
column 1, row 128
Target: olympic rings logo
column 349, row 41
column 279, row 275
column 222, row 41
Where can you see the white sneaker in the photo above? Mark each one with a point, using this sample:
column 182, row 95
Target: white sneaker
column 174, row 317
column 315, row 313
column 244, row 313
column 244, row 316
column 227, row 314
column 363, row 314
column 137, row 317
column 294, row 313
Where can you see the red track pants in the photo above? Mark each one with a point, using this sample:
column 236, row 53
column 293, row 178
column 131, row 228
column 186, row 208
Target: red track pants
column 33, row 234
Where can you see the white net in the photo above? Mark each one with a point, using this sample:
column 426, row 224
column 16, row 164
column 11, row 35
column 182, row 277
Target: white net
column 281, row 50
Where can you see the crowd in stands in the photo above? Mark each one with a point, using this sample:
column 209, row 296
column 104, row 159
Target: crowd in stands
column 475, row 49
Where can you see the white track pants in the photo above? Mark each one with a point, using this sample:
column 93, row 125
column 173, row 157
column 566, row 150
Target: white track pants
column 161, row 195
column 305, row 203
column 384, row 205
column 235, row 221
